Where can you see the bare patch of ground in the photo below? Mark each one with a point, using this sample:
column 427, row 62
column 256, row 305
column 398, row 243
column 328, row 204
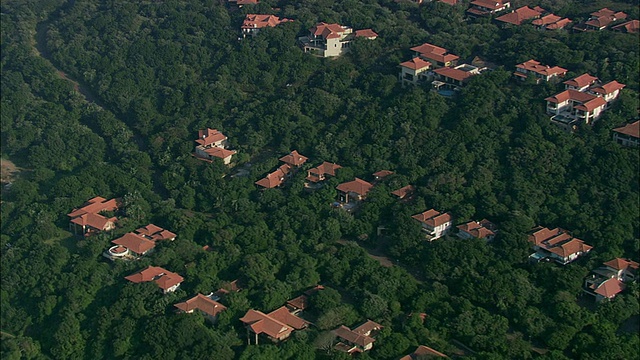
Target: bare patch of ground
column 8, row 171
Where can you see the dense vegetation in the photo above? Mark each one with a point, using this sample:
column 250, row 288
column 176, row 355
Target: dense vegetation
column 153, row 73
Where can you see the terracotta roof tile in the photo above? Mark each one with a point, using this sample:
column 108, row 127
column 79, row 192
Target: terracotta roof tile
column 632, row 27
column 256, row 21
column 632, row 129
column 622, row 264
column 260, row 322
column 608, row 88
column 283, row 315
column 416, row 64
column 581, row 81
column 535, row 66
column 610, row 288
column 294, row 159
column 404, row 191
column 367, row 33
column 357, row 186
column 164, row 279
column 489, row 4
column 345, row 333
column 202, row 303
column 452, row 73
column 135, row 243
column 433, row 52
column 208, row 136
column 518, row 16
column 423, row 352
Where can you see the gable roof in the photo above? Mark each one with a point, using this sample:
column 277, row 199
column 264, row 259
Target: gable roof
column 326, row 168
column 275, row 178
column 433, row 217
column 219, row 152
column 367, row 33
column 260, row 322
column 202, row 303
column 571, row 94
column 416, row 64
column 294, row 159
column 345, row 333
column 382, row 173
column 423, row 351
column 489, row 4
column 558, row 242
column 535, row 66
column 328, row 31
column 135, row 243
column 518, row 16
column 94, row 206
column 581, row 81
column 545, row 20
column 301, row 302
column 610, row 288
column 368, row 327
column 452, row 73
column 632, row 129
column 592, row 104
column 608, row 88
column 559, row 24
column 256, row 21
column 436, row 53
column 632, row 27
column 155, row 233
column 163, row 278
column 622, row 264
column 95, row 221
column 404, row 191
column 475, row 229
column 208, row 136
column 357, row 186
column 283, row 315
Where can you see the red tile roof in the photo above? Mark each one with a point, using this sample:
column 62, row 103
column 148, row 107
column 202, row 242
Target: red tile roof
column 246, row 2
column 559, row 24
column 382, row 173
column 367, row 328
column 301, row 302
column 219, row 152
column 608, row 88
column 489, row 4
column 518, row 16
column 326, row 168
column 632, row 129
column 294, row 159
column 155, row 233
column 202, row 303
column 275, row 178
column 581, row 81
column 357, row 186
column 423, row 352
column 455, row 74
column 622, row 264
column 367, row 33
column 591, row 104
column 260, row 322
column 571, row 94
column 610, row 288
column 557, row 241
column 94, row 206
column 328, row 31
column 208, row 136
column 95, row 221
column 476, row 229
column 416, row 64
column 164, row 278
column 535, row 66
column 135, row 243
column 404, row 191
column 546, row 20
column 449, row 2
column 433, row 217
column 283, row 315
column 632, row 27
column 255, row 21
column 345, row 333
column 436, row 53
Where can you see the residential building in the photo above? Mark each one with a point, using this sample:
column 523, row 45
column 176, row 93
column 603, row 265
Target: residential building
column 435, row 55
column 609, row 280
column 423, row 353
column 166, row 280
column 241, row 3
column 294, row 159
column 211, row 144
column 139, row 243
column 253, row 23
column 582, row 103
column 359, row 339
column 320, row 173
column 630, row 27
column 535, row 69
column 404, row 192
column 484, row 229
column 87, row 220
column 292, row 162
column 155, row 233
column 600, row 20
column 482, row 8
column 204, row 304
column 434, row 223
column 520, row 15
column 454, row 77
column 329, row 40
column 551, row 22
column 276, row 326
column 353, row 191
column 557, row 245
column 414, row 71
column 367, row 34
column 379, row 175
column 627, row 135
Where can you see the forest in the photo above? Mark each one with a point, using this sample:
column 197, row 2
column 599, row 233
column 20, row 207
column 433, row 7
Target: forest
column 105, row 98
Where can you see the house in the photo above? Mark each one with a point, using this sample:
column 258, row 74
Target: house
column 454, row 77
column 329, row 40
column 484, row 229
column 87, row 220
column 226, row 288
column 627, row 135
column 300, row 303
column 253, row 23
column 404, row 192
column 135, row 244
column 294, row 159
column 551, row 22
column 434, row 223
column 582, row 102
column 211, row 144
column 155, row 233
column 275, row 178
column 353, row 191
column 449, row 2
column 557, row 245
column 320, row 173
column 204, row 304
column 520, row 15
column 483, row 8
column 414, row 71
column 423, row 352
column 379, row 175
column 600, row 19
column 276, row 326
column 437, row 56
column 609, row 280
column 359, row 339
column 533, row 68
column 166, row 280
column 630, row 27
column 241, row 3
column 367, row 34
